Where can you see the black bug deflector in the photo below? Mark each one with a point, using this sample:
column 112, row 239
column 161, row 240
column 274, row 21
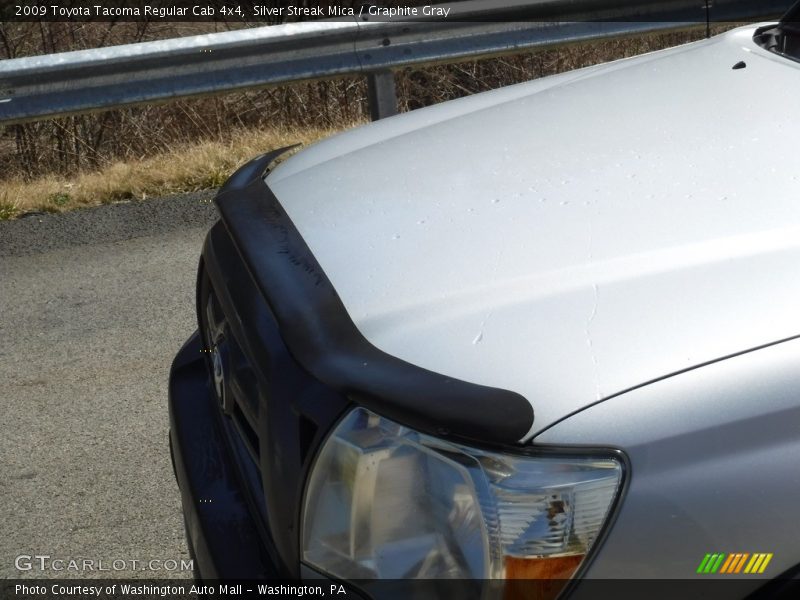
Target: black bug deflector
column 323, row 339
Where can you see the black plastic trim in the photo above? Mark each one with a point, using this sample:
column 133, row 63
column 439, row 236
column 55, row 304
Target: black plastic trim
column 323, row 339
column 220, row 528
column 295, row 411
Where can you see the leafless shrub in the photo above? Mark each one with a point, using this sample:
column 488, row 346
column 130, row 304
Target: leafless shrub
column 87, row 142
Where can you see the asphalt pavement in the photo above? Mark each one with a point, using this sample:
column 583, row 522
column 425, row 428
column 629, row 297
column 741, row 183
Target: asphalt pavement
column 93, row 306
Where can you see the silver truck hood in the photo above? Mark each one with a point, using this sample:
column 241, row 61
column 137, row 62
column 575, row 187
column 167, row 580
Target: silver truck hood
column 572, row 237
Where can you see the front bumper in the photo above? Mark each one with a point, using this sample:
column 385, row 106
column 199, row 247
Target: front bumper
column 220, row 528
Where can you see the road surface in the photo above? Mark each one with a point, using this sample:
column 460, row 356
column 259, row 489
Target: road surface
column 93, row 305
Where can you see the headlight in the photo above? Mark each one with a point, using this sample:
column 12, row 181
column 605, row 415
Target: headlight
column 384, row 501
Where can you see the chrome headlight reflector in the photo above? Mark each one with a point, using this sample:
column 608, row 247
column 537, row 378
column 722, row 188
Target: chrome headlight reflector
column 384, row 501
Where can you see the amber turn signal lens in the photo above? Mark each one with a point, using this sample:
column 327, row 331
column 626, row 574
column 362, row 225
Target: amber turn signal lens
column 540, row 578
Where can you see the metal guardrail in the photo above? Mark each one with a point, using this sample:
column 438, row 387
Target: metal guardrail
column 72, row 82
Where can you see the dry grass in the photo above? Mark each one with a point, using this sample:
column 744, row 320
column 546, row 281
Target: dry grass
column 188, row 145
column 203, row 165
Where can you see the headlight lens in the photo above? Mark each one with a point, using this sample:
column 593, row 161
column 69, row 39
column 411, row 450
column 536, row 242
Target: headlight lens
column 384, row 501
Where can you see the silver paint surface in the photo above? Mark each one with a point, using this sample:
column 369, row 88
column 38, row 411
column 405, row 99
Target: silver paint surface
column 571, row 237
column 714, row 455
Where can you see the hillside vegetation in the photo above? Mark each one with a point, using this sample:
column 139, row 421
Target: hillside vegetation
column 187, row 145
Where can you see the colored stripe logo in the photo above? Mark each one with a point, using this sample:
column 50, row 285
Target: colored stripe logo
column 737, row 562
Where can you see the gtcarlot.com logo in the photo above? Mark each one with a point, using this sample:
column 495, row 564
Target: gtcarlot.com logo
column 45, row 562
column 735, row 563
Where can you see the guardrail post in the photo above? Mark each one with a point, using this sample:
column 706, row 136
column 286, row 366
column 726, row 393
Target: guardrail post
column 381, row 95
